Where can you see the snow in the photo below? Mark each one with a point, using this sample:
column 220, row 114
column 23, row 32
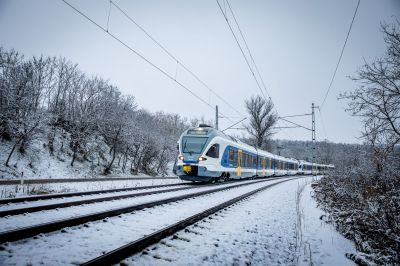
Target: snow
column 81, row 243
column 12, row 191
column 257, row 231
column 30, row 219
column 260, row 230
column 27, row 204
column 37, row 163
column 321, row 243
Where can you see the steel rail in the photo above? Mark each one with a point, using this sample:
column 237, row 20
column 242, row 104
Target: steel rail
column 30, row 231
column 68, row 180
column 83, row 193
column 116, row 255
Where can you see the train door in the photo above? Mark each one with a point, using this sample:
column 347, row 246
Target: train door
column 270, row 165
column 239, row 168
column 263, row 166
column 278, row 167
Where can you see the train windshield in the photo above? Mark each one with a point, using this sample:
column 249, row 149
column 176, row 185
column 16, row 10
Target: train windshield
column 193, row 144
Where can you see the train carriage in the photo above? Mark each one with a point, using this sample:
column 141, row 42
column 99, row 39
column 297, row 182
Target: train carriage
column 206, row 154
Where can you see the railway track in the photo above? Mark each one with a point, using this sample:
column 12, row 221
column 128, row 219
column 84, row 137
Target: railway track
column 29, row 209
column 30, row 231
column 84, row 193
column 120, row 253
column 17, row 211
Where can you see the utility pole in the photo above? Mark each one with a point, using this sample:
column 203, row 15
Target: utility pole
column 313, row 136
column 279, row 150
column 216, row 117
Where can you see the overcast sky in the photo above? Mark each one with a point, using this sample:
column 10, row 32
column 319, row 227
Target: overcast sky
column 296, row 45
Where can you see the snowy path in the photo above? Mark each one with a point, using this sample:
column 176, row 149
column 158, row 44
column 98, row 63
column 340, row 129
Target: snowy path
column 321, row 243
column 81, row 243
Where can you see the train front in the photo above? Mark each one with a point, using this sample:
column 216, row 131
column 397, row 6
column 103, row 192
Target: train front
column 194, row 163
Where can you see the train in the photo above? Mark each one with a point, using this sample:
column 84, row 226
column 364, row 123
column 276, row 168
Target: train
column 209, row 155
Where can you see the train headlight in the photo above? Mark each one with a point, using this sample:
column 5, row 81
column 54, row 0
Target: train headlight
column 180, row 157
column 202, row 159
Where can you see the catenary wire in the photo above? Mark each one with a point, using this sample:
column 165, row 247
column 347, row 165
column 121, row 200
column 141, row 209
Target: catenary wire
column 174, row 57
column 248, row 50
column 341, row 54
column 247, row 61
column 241, row 49
column 287, row 116
column 295, row 123
column 140, row 55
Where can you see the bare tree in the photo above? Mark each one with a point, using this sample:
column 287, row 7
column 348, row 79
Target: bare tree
column 377, row 99
column 262, row 119
column 50, row 100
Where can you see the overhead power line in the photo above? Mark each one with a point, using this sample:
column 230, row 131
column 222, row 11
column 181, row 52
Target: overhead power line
column 234, row 124
column 341, row 54
column 173, row 57
column 287, row 116
column 284, row 119
column 140, row 55
column 248, row 50
column 241, row 49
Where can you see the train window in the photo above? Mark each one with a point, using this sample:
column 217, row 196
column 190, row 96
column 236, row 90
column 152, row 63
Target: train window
column 231, row 155
column 193, row 144
column 213, row 151
column 235, row 157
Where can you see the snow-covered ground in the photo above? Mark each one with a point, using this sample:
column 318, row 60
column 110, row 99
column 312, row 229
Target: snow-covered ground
column 12, row 191
column 260, row 230
column 80, row 243
column 28, row 219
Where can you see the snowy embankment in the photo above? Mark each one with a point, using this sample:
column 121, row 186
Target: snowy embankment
column 365, row 209
column 36, row 162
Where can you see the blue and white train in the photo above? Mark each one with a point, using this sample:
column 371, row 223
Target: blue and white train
column 209, row 155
